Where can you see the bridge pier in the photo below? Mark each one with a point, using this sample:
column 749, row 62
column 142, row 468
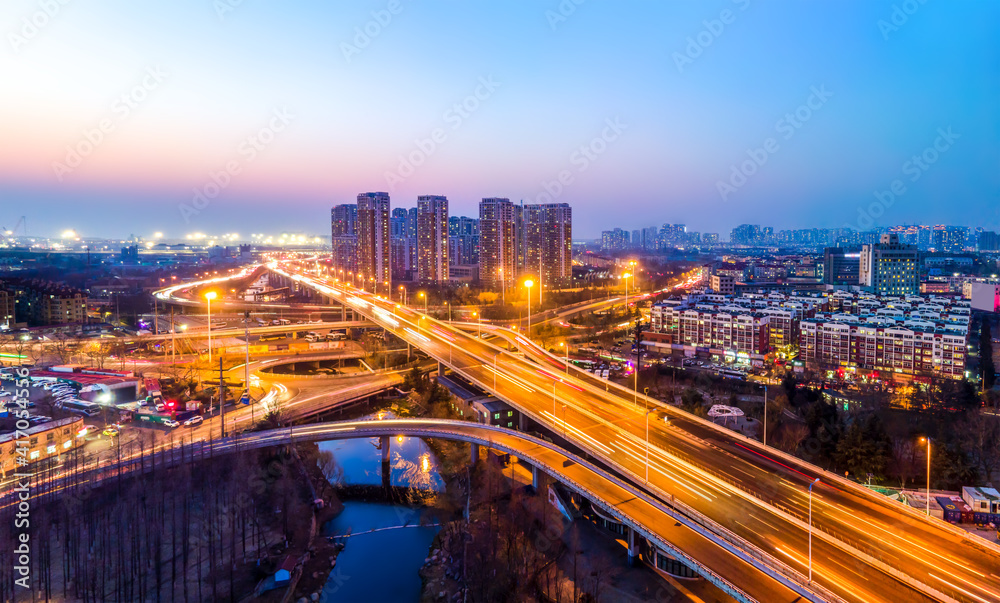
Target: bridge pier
column 383, row 444
column 441, row 369
column 633, row 550
column 474, row 450
column 536, row 478
column 522, row 422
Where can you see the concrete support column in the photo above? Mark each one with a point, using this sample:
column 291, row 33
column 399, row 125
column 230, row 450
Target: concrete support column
column 383, row 443
column 441, row 369
column 536, row 478
column 633, row 550
column 474, row 457
column 522, row 422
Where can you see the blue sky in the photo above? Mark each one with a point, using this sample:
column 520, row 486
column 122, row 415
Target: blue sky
column 691, row 86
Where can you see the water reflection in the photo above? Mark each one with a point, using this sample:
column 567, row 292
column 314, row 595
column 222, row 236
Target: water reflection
column 361, row 567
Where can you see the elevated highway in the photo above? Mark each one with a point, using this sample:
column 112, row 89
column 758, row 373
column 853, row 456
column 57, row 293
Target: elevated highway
column 670, row 532
column 754, row 499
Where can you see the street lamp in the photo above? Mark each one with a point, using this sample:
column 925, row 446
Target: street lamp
column 479, row 324
column 626, row 277
column 495, row 371
column 402, row 294
column 562, row 344
column 647, row 444
column 424, row 295
column 210, row 296
column 928, row 440
column 554, row 396
column 811, row 484
column 528, row 283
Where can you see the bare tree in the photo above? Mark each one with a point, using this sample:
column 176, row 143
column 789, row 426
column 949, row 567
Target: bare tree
column 60, row 347
column 791, row 435
column 983, row 439
column 905, row 462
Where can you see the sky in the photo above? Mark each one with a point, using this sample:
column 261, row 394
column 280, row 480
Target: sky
column 256, row 116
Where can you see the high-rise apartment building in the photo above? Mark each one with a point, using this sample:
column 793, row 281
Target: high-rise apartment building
column 374, row 259
column 950, row 239
column 615, row 240
column 650, row 241
column 343, row 240
column 463, row 241
column 987, row 240
column 343, row 219
column 890, row 267
column 498, row 242
column 747, row 234
column 548, row 243
column 432, row 239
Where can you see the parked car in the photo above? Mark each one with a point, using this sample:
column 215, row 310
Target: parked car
column 195, row 420
column 112, row 431
column 171, row 423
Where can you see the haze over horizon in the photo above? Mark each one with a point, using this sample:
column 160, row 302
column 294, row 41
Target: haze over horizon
column 106, row 113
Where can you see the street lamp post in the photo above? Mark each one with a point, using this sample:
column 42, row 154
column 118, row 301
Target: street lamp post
column 562, row 344
column 495, row 371
column 503, row 288
column 479, row 324
column 424, row 295
column 528, row 283
column 246, row 365
column 811, row 484
column 928, row 475
column 765, row 415
column 647, row 445
column 554, row 396
column 210, row 296
column 626, row 277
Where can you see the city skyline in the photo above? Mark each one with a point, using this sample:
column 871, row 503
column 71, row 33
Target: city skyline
column 548, row 111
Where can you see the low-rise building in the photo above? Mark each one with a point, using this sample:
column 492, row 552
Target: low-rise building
column 42, row 441
column 44, row 303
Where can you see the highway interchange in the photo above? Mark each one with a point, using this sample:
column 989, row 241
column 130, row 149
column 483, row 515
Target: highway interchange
column 864, row 549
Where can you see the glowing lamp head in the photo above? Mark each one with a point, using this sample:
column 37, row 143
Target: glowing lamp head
column 529, row 283
column 210, row 295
